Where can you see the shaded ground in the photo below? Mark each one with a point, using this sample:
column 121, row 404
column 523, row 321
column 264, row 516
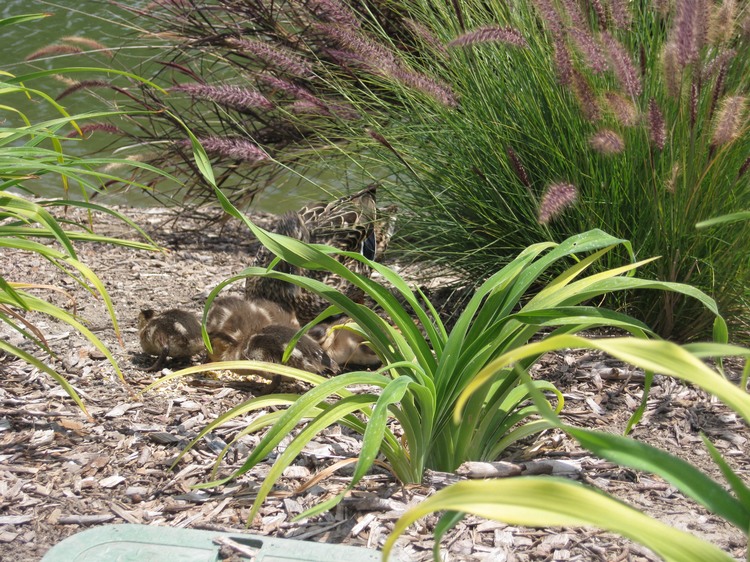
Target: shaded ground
column 60, row 473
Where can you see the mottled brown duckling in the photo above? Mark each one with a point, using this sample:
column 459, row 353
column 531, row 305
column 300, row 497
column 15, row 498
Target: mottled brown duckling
column 343, row 346
column 173, row 333
column 269, row 345
column 233, row 319
column 348, row 223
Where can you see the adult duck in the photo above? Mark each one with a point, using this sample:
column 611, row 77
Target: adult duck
column 347, row 224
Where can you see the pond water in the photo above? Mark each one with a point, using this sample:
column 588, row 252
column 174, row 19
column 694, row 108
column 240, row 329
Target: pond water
column 112, row 26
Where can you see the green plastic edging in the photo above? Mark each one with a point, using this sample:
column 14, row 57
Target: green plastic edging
column 146, row 543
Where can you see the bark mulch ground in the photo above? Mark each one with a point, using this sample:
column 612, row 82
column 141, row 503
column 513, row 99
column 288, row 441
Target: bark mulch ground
column 61, row 473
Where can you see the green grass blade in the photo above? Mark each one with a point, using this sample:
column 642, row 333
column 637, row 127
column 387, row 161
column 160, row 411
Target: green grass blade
column 329, row 416
column 21, row 19
column 724, row 219
column 552, row 502
column 659, row 356
column 739, row 487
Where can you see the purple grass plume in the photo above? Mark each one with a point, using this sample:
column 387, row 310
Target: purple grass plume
column 59, row 49
column 439, row 91
column 672, row 70
column 377, row 56
column 491, row 34
column 718, row 87
column 227, row 147
column 694, row 93
column 657, row 130
column 575, row 15
column 607, row 142
column 427, row 37
column 289, row 89
column 518, row 167
column 81, row 85
column 557, row 197
column 744, row 168
column 590, row 50
column 92, row 127
column 284, row 61
column 333, row 11
column 233, row 97
column 549, row 14
column 89, row 43
column 722, row 59
column 563, row 63
column 623, row 108
column 601, row 14
column 729, row 120
column 690, row 31
column 623, row 66
column 620, row 10
column 721, row 27
column 586, row 97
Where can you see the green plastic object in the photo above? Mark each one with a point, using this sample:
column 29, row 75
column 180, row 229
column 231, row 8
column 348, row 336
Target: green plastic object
column 145, row 543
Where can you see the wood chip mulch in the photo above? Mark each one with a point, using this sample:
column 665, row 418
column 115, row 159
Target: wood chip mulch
column 61, row 473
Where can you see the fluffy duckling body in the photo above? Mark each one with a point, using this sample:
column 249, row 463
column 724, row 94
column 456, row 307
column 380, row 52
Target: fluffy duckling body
column 343, row 346
column 346, row 224
column 269, row 345
column 232, row 320
column 173, row 333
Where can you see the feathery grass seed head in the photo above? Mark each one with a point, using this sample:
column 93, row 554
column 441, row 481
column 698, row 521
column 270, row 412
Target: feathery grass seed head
column 289, row 89
column 601, row 15
column 228, row 147
column 729, row 120
column 59, row 49
column 656, row 127
column 721, row 27
column 549, row 14
column 439, row 91
column 589, row 48
column 586, row 97
column 744, row 168
column 672, row 70
column 563, row 64
column 76, row 86
column 97, row 126
column 427, row 37
column 518, row 167
column 622, row 64
column 690, row 30
column 621, row 15
column 229, row 96
column 333, row 11
column 506, row 35
column 607, row 142
column 376, row 55
column 623, row 109
column 575, row 15
column 557, row 197
column 285, row 61
column 88, row 43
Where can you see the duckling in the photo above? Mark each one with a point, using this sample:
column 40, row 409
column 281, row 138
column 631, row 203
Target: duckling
column 343, row 346
column 348, row 223
column 173, row 333
column 269, row 345
column 232, row 320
